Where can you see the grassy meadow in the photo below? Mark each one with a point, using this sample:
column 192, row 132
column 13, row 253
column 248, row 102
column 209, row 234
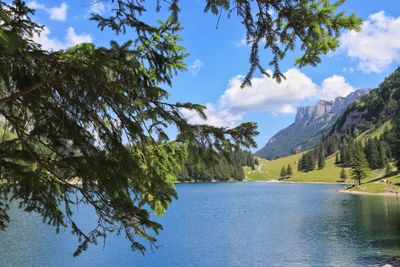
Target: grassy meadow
column 269, row 170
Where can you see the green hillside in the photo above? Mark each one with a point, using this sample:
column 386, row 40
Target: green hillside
column 270, row 170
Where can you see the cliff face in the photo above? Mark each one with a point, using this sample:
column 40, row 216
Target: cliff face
column 311, row 123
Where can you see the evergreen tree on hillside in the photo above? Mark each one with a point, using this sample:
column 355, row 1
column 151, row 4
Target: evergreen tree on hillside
column 343, row 174
column 344, row 156
column 396, row 144
column 388, row 169
column 337, row 159
column 383, row 157
column 300, row 164
column 321, row 159
column 359, row 166
column 289, row 171
column 372, row 153
column 307, row 162
column 283, row 172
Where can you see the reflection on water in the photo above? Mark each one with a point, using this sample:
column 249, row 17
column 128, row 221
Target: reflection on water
column 234, row 224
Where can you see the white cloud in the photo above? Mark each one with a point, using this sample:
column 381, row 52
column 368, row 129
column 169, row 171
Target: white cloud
column 196, row 66
column 99, row 8
column 73, row 39
column 58, row 13
column 70, row 39
column 215, row 117
column 377, row 45
column 349, row 69
column 243, row 42
column 335, row 86
column 266, row 94
column 35, row 5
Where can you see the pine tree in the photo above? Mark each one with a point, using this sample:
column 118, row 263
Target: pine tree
column 256, row 161
column 300, row 164
column 359, row 166
column 388, row 169
column 289, row 171
column 337, row 159
column 372, row 153
column 321, row 160
column 382, row 159
column 396, row 144
column 283, row 172
column 309, row 162
column 343, row 174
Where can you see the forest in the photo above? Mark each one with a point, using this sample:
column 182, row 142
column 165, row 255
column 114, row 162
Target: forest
column 346, row 143
column 219, row 167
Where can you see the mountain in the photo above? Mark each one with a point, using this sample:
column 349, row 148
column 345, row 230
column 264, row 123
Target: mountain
column 311, row 124
column 380, row 106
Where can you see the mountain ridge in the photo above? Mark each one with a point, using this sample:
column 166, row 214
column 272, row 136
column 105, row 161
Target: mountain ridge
column 311, row 124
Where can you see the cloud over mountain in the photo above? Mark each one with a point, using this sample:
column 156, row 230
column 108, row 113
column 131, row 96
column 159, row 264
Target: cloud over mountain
column 266, row 95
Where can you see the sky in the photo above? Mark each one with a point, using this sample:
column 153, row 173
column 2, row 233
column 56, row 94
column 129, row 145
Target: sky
column 219, row 57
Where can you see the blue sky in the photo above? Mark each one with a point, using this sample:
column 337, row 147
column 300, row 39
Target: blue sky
column 218, row 57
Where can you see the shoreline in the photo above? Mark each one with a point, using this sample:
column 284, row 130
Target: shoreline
column 355, row 192
column 294, row 182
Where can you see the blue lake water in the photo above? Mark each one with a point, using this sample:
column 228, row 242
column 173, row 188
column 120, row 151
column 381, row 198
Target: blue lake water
column 233, row 224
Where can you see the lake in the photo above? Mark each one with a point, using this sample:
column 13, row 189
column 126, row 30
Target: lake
column 233, row 224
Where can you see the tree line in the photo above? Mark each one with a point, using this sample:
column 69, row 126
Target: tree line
column 286, row 172
column 215, row 167
column 359, row 155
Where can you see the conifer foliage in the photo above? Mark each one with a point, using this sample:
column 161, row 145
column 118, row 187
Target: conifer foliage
column 283, row 172
column 396, row 143
column 343, row 174
column 359, row 167
column 314, row 23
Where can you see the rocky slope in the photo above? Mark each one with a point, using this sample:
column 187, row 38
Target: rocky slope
column 380, row 106
column 311, row 124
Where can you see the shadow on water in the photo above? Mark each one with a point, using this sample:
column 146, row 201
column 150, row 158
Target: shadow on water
column 378, row 260
column 387, row 243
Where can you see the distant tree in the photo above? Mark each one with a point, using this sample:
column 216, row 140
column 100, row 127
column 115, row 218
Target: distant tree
column 321, row 159
column 359, row 167
column 372, row 153
column 289, row 171
column 337, row 159
column 300, row 164
column 388, row 169
column 343, row 174
column 383, row 158
column 396, row 144
column 283, row 172
column 308, row 162
column 256, row 161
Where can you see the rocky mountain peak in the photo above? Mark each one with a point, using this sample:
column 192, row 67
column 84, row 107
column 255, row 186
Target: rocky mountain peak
column 311, row 123
column 325, row 108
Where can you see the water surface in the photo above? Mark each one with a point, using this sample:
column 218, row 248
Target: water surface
column 233, row 224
